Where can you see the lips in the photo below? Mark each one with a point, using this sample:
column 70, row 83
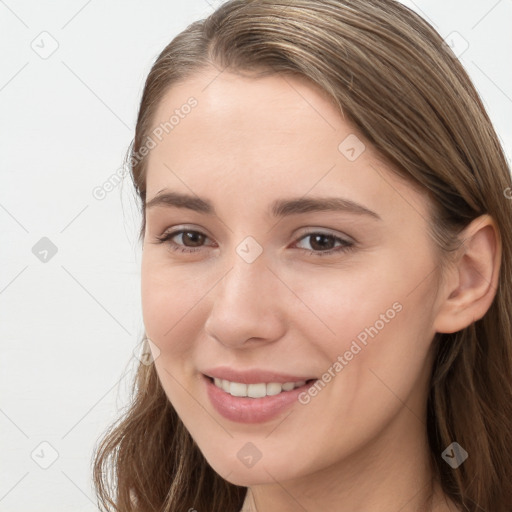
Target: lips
column 255, row 408
column 250, row 410
column 254, row 376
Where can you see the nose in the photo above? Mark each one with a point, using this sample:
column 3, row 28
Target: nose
column 248, row 304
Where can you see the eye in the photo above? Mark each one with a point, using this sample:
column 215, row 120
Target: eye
column 190, row 239
column 324, row 243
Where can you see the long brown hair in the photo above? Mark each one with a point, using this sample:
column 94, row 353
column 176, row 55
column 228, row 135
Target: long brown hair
column 391, row 75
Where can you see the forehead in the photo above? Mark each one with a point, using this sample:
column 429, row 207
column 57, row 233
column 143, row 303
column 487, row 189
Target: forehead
column 259, row 138
column 239, row 109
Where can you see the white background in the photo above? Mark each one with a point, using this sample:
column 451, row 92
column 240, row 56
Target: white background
column 69, row 326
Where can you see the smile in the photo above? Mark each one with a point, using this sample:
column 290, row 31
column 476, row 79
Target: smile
column 258, row 390
column 255, row 402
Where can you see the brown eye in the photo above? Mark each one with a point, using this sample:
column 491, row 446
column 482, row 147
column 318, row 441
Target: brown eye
column 325, row 244
column 322, row 242
column 191, row 241
column 192, row 238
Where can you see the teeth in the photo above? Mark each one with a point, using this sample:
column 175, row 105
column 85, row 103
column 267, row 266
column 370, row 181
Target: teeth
column 274, row 388
column 256, row 390
column 237, row 389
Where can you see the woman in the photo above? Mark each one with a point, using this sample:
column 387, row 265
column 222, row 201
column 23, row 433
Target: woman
column 325, row 275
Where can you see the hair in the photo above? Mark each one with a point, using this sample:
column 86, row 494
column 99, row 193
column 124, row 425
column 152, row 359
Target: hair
column 394, row 79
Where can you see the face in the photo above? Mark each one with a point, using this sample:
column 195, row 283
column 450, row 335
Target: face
column 299, row 259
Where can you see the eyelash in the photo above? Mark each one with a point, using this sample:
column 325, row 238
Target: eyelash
column 166, row 237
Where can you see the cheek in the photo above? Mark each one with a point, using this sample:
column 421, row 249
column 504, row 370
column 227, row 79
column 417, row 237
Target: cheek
column 373, row 328
column 367, row 388
column 170, row 308
column 168, row 302
column 379, row 354
column 337, row 304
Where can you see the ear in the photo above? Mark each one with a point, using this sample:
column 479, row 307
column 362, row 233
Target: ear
column 471, row 286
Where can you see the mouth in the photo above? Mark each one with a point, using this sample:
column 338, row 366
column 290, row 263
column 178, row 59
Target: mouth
column 259, row 389
column 256, row 402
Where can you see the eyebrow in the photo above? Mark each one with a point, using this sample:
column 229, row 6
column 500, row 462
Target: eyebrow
column 279, row 208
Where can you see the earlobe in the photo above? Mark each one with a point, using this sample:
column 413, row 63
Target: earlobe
column 469, row 295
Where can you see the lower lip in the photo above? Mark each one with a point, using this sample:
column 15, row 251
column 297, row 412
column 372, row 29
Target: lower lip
column 251, row 410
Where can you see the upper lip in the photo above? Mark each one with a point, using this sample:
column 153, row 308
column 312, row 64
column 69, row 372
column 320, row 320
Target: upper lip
column 253, row 376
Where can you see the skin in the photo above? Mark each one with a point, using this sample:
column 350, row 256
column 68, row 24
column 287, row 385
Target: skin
column 360, row 444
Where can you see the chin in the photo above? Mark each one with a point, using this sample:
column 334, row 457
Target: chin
column 252, row 476
column 261, row 472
